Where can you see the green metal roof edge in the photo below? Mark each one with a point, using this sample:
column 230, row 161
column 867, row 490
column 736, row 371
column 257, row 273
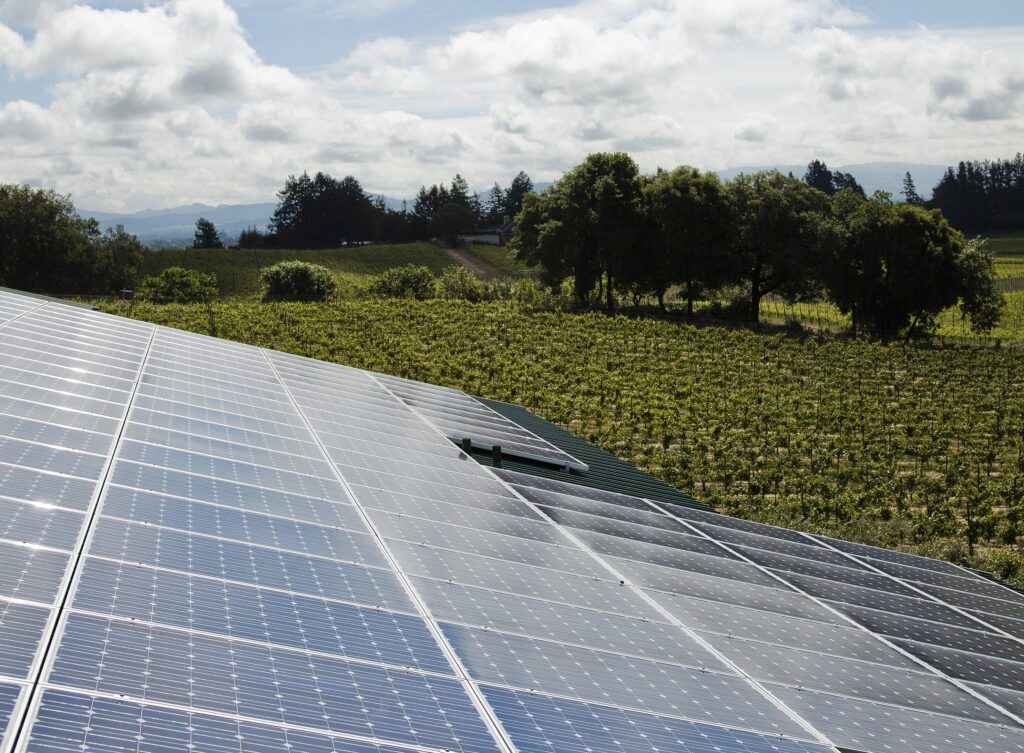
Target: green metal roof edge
column 607, row 472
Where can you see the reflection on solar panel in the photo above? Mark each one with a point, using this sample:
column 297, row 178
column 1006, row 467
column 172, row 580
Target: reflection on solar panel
column 205, row 546
column 461, row 417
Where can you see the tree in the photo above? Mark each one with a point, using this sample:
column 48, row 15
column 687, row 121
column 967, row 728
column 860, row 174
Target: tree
column 830, row 183
column 781, row 228
column 985, row 196
column 693, row 213
column 910, row 191
column 459, row 193
column 820, row 177
column 322, row 212
column 897, row 266
column 586, row 224
column 846, row 182
column 46, row 247
column 495, row 206
column 206, row 235
column 515, row 196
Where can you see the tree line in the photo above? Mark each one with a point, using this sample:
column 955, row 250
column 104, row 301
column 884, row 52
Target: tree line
column 892, row 267
column 321, row 211
column 979, row 197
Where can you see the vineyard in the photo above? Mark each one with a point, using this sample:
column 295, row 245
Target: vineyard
column 905, row 446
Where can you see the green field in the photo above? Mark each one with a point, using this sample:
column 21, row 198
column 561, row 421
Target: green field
column 500, row 259
column 238, row 271
column 884, row 443
column 1009, row 251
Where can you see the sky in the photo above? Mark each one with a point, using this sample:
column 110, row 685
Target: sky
column 127, row 105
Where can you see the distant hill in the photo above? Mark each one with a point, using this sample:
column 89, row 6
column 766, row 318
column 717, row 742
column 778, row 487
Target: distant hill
column 873, row 176
column 175, row 226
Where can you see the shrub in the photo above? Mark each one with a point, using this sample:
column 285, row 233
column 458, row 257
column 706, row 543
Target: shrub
column 531, row 295
column 409, row 281
column 179, row 285
column 297, row 281
column 458, row 283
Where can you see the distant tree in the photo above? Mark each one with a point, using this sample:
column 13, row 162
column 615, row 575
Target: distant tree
column 846, row 182
column 454, row 219
column 585, row 225
column 978, row 197
column 819, row 176
column 910, row 191
column 495, row 206
column 252, row 238
column 897, row 266
column 694, row 215
column 46, row 247
column 427, row 210
column 321, row 212
column 780, row 231
column 828, row 182
column 521, row 186
column 206, row 235
column 459, row 193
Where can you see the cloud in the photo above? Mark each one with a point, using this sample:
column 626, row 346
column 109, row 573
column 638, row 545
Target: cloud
column 167, row 101
column 25, row 122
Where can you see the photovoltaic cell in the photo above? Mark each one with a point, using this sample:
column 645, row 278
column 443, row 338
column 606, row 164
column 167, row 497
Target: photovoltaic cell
column 213, row 674
column 860, row 725
column 30, row 573
column 74, row 722
column 719, row 620
column 27, row 523
column 543, row 724
column 479, row 607
column 543, row 666
column 247, row 564
column 855, row 679
column 499, row 550
column 21, row 630
column 444, row 512
column 255, row 614
column 250, row 528
column 516, row 578
column 9, row 695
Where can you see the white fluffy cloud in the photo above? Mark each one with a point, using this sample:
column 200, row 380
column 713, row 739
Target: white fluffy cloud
column 168, row 102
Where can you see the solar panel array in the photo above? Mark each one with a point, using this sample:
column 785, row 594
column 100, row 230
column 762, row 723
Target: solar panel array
column 206, row 546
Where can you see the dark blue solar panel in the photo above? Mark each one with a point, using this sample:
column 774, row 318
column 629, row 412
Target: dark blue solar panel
column 293, row 687
column 72, row 722
column 32, row 524
column 239, row 525
column 8, row 698
column 32, row 574
column 542, row 724
column 603, row 677
column 21, row 629
column 257, row 614
column 232, row 561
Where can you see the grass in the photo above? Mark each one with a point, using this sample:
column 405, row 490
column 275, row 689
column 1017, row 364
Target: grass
column 238, row 271
column 500, row 259
column 1009, row 251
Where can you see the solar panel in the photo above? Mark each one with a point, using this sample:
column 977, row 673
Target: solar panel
column 206, row 546
column 461, row 417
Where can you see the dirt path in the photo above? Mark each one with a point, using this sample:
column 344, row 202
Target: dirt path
column 478, row 267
